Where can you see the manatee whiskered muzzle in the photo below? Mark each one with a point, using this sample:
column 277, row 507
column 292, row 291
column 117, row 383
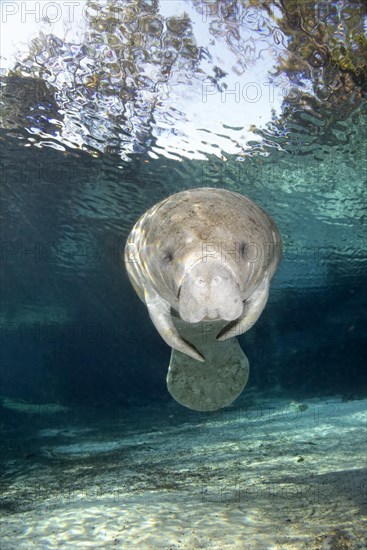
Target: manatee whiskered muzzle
column 209, row 292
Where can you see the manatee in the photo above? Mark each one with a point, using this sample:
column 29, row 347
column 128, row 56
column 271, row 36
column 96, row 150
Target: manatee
column 202, row 261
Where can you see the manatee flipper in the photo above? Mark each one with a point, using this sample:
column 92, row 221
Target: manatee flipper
column 160, row 313
column 252, row 310
column 218, row 381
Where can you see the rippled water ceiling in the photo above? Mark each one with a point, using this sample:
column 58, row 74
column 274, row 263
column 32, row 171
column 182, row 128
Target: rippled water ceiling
column 183, row 79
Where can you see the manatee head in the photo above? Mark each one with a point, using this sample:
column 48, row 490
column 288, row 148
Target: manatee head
column 201, row 282
column 202, row 255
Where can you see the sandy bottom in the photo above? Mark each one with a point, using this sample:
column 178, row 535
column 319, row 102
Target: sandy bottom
column 271, row 474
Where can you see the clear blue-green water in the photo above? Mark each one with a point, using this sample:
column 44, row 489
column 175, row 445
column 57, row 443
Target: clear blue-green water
column 106, row 110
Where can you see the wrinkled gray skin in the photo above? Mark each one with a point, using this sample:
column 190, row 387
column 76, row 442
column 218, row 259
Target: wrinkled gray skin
column 207, row 254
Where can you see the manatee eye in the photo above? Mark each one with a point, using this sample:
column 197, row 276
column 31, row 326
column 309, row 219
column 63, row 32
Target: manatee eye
column 167, row 257
column 243, row 249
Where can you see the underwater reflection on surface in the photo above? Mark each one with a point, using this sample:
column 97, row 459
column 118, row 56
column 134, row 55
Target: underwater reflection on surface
column 184, row 79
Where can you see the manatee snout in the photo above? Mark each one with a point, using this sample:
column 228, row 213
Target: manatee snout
column 209, row 291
